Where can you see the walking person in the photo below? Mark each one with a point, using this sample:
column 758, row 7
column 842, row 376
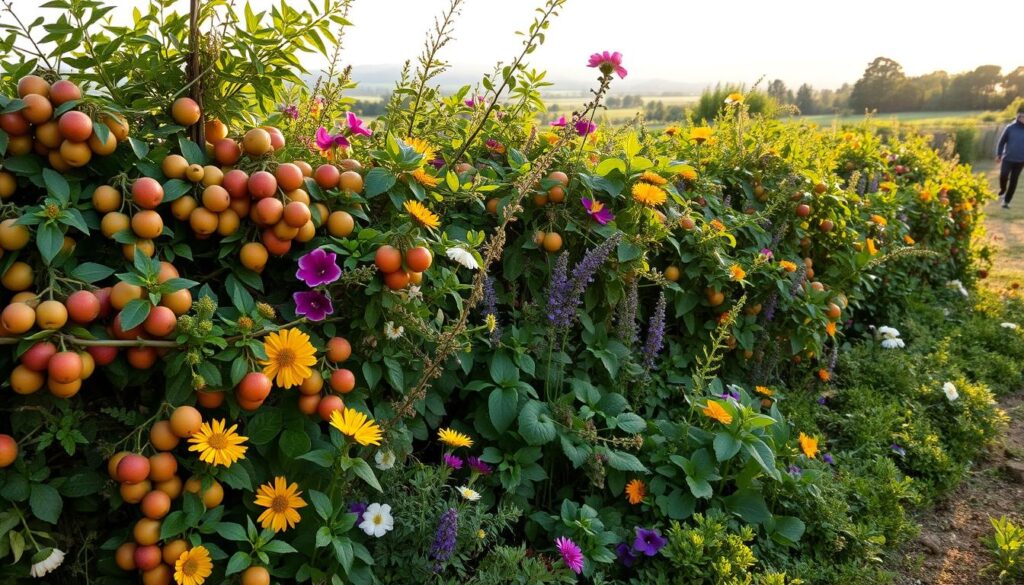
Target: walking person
column 1010, row 155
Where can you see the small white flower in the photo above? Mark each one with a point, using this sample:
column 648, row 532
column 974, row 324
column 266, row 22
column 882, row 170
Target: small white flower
column 892, row 343
column 463, row 257
column 45, row 561
column 377, row 520
column 886, row 332
column 1009, row 325
column 385, row 460
column 413, row 293
column 393, row 332
column 470, row 494
column 958, row 287
column 950, row 390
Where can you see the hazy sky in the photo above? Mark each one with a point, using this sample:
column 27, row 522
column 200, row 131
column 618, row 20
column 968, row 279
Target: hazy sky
column 696, row 41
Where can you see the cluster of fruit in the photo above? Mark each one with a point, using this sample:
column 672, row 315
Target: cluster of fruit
column 402, row 270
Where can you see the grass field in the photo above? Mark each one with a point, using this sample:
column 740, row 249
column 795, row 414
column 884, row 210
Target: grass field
column 913, row 118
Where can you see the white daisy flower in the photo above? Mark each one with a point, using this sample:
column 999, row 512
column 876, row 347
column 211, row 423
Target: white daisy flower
column 377, row 520
column 892, row 343
column 886, row 332
column 392, row 332
column 463, row 257
column 1009, row 325
column 385, row 460
column 950, row 390
column 468, row 493
column 46, row 561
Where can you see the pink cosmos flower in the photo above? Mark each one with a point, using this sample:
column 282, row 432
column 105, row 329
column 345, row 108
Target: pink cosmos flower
column 597, row 211
column 355, row 126
column 572, row 556
column 607, row 63
column 559, row 123
column 585, row 127
column 327, row 141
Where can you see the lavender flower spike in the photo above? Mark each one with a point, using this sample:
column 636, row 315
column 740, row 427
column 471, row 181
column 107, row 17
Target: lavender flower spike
column 627, row 329
column 566, row 293
column 558, row 293
column 444, row 539
column 655, row 333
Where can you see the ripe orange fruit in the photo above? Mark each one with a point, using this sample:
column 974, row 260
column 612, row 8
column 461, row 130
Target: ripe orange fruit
column 276, row 137
column 8, row 450
column 19, row 277
column 308, row 403
column 338, row 349
column 122, row 293
column 13, row 236
column 254, row 256
column 124, row 556
column 88, row 364
column 215, row 130
column 146, row 558
column 38, row 110
column 211, row 496
column 64, row 390
column 351, row 181
column 343, row 381
column 155, row 505
column 185, row 111
column 254, row 387
column 307, row 170
column 418, row 259
column 195, row 173
column 307, row 232
column 203, row 221
column 51, row 315
column 262, row 185
column 185, row 420
column 103, row 147
column 160, row 322
column 289, row 176
column 212, row 175
column 117, row 124
column 25, row 381
column 106, row 199
column 33, row 84
column 147, row 224
column 256, row 142
column 216, row 198
column 284, row 231
column 183, row 207
column 173, row 549
column 112, row 463
column 329, row 404
column 75, row 154
column 17, row 318
column 65, row 367
column 672, row 273
column 256, row 576
column 147, row 247
column 75, row 126
column 327, row 176
column 228, row 222
column 158, row 575
column 63, row 91
column 312, row 385
column 275, row 245
column 340, row 224
column 146, row 531
column 113, row 223
column 556, row 194
column 268, row 211
column 397, row 280
column 132, row 468
column 388, row 259
column 209, row 399
column 560, row 177
column 7, row 185
column 147, row 193
column 227, row 151
column 162, row 466
column 172, row 487
column 38, row 356
column 552, row 242
column 296, row 214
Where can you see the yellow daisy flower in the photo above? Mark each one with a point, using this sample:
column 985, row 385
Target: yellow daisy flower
column 193, row 566
column 423, row 147
column 357, row 425
column 653, row 178
column 736, row 272
column 649, row 195
column 454, row 438
column 715, row 411
column 424, row 179
column 688, row 173
column 422, row 215
column 281, row 501
column 787, row 265
column 289, row 357
column 701, row 134
column 764, row 391
column 636, row 491
column 216, row 445
column 734, row 98
column 809, row 445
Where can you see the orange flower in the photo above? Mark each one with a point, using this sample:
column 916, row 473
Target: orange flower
column 688, row 173
column 831, row 328
column 653, row 178
column 925, row 196
column 824, row 375
column 809, row 445
column 636, row 491
column 715, row 411
column 736, row 272
column 908, row 240
column 871, row 246
column 787, row 265
column 878, row 219
column 718, row 225
column 701, row 134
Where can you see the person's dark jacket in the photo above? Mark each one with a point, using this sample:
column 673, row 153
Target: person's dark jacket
column 1011, row 143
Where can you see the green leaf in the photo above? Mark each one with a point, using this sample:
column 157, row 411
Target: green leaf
column 294, row 442
column 624, row 461
column 726, row 446
column 236, row 476
column 788, row 529
column 452, row 180
column 377, row 181
column 175, row 189
column 504, row 371
column 240, row 297
column 749, row 505
column 343, row 552
column 502, row 407
column 321, row 503
column 363, row 471
column 85, row 483
column 57, row 185
column 174, row 524
column 91, row 272
column 49, row 240
column 764, row 456
column 134, row 313
column 631, row 423
column 239, row 562
column 191, row 151
column 264, row 425
column 45, row 502
column 627, row 251
column 232, row 531
column 279, row 547
column 677, row 505
column 4, row 141
column 140, row 148
column 321, row 457
column 535, row 424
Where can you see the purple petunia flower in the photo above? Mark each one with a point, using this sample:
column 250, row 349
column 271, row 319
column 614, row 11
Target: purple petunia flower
column 730, row 395
column 572, row 556
column 655, row 333
column 445, row 538
column 355, row 125
column 437, row 163
column 453, row 461
column 827, row 458
column 313, row 305
column 898, row 450
column 357, row 508
column 649, row 541
column 608, row 63
column 625, row 554
column 477, row 465
column 318, row 267
column 822, row 400
column 559, row 123
column 585, row 127
column 597, row 210
column 327, row 141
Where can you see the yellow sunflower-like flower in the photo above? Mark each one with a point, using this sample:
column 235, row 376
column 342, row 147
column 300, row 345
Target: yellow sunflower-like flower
column 425, row 179
column 701, row 134
column 830, row 328
column 357, row 425
column 636, row 491
column 653, row 178
column 422, row 215
column 281, row 501
column 809, row 445
column 216, row 445
column 454, row 438
column 423, row 147
column 736, row 272
column 688, row 173
column 193, row 566
column 734, row 98
column 764, row 391
column 649, row 195
column 787, row 265
column 715, row 411
column 289, row 357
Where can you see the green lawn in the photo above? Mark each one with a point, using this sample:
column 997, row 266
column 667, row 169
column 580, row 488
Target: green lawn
column 915, row 118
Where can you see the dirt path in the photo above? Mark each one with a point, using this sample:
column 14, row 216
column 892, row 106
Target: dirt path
column 950, row 549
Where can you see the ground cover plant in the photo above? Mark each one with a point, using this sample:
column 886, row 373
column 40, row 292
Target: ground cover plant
column 249, row 337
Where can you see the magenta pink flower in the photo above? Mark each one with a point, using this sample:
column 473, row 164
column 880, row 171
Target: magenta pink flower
column 597, row 211
column 327, row 141
column 313, row 305
column 355, row 126
column 318, row 267
column 453, row 461
column 474, row 102
column 607, row 63
column 559, row 123
column 585, row 127
column 571, row 554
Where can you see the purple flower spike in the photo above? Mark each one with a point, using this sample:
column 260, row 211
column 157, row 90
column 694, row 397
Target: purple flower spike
column 444, row 539
column 597, row 211
column 572, row 556
column 355, row 125
column 313, row 305
column 479, row 466
column 649, row 541
column 585, row 127
column 453, row 461
column 318, row 267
